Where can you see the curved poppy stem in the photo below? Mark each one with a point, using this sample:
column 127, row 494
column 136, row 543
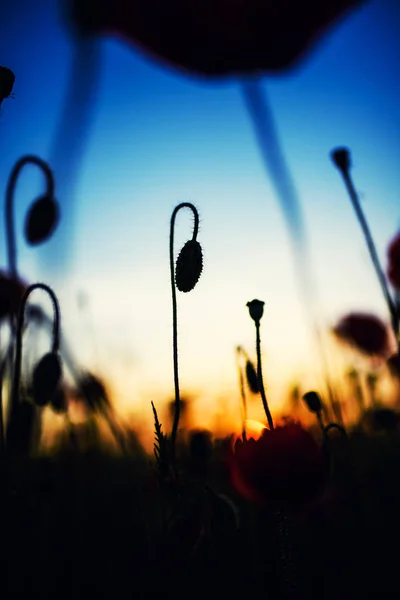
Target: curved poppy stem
column 11, row 185
column 260, row 377
column 276, row 166
column 395, row 321
column 14, row 398
column 175, row 316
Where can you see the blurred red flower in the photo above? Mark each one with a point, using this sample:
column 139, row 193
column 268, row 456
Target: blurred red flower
column 214, row 37
column 284, row 469
column 393, row 269
column 364, row 331
column 11, row 291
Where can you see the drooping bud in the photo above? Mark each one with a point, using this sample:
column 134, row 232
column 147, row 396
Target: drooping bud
column 251, row 375
column 93, row 391
column 256, row 309
column 313, row 402
column 189, row 266
column 46, row 378
column 59, row 401
column 7, row 79
column 41, row 220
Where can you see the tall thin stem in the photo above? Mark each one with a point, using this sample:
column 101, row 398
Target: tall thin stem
column 372, row 250
column 276, row 166
column 11, row 185
column 260, row 377
column 14, row 399
column 175, row 315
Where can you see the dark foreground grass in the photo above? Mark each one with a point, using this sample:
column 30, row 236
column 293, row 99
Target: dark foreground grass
column 80, row 525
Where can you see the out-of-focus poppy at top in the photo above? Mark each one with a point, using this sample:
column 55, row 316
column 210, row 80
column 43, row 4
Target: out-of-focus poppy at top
column 131, row 130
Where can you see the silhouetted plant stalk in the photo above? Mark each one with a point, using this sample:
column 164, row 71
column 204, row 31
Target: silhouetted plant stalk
column 342, row 160
column 256, row 309
column 188, row 270
column 11, row 185
column 242, row 391
column 272, row 154
column 47, row 373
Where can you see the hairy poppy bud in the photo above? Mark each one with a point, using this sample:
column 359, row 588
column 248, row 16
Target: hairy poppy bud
column 256, row 309
column 46, row 378
column 364, row 331
column 189, row 266
column 251, row 376
column 41, row 220
column 341, row 158
column 313, row 401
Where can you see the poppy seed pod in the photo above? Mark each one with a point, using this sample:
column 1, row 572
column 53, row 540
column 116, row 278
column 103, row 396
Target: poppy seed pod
column 341, row 158
column 7, row 79
column 256, row 309
column 46, row 378
column 251, row 376
column 189, row 266
column 41, row 220
column 313, row 402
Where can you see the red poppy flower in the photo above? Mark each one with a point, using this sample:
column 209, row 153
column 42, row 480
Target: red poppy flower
column 11, row 291
column 214, row 37
column 365, row 332
column 284, row 468
column 393, row 270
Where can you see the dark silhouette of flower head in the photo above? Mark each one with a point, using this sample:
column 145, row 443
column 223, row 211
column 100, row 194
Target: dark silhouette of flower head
column 214, row 37
column 393, row 269
column 284, row 469
column 256, row 309
column 341, row 158
column 7, row 79
column 364, row 331
column 189, row 266
column 42, row 219
column 12, row 290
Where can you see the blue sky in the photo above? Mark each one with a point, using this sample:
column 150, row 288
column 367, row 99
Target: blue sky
column 157, row 138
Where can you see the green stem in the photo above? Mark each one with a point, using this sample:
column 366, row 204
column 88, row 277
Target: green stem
column 260, row 377
column 175, row 317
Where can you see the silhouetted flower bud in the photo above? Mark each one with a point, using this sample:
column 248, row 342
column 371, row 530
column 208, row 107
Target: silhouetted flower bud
column 313, row 401
column 189, row 266
column 341, row 158
column 251, row 376
column 46, row 378
column 41, row 220
column 93, row 391
column 256, row 309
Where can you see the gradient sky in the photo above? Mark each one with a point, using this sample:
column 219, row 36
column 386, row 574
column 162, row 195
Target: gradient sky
column 158, row 138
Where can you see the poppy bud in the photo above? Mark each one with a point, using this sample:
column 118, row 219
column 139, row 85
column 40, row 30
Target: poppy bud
column 256, row 309
column 189, row 266
column 341, row 158
column 93, row 391
column 313, row 401
column 41, row 220
column 46, row 378
column 366, row 332
column 251, row 376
